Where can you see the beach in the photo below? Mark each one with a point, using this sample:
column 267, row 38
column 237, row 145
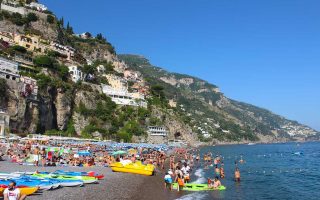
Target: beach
column 113, row 186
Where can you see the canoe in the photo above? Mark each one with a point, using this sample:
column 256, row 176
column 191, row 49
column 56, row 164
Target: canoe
column 25, row 190
column 197, row 187
column 134, row 168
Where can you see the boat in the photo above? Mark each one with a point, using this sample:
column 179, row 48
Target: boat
column 251, row 143
column 23, row 190
column 197, row 187
column 133, row 168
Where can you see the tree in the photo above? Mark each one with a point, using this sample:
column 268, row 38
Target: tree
column 50, row 19
column 44, row 61
column 32, row 17
column 61, row 22
column 69, row 29
column 157, row 90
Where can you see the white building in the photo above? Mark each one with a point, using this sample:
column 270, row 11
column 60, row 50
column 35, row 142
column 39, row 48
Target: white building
column 9, row 69
column 38, row 6
column 123, row 97
column 76, row 74
column 65, row 50
column 157, row 131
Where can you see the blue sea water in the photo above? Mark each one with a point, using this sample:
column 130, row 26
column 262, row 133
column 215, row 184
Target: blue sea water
column 270, row 171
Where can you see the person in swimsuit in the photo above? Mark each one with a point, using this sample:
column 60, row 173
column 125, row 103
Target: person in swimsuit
column 237, row 175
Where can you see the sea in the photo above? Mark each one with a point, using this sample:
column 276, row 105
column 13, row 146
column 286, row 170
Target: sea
column 270, row 171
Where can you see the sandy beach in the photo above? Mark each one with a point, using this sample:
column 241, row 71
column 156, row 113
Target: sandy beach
column 113, row 186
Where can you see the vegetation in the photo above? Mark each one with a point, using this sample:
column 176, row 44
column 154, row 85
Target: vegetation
column 50, row 19
column 3, row 91
column 18, row 19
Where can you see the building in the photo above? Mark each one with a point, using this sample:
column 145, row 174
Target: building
column 123, row 97
column 116, row 82
column 4, row 123
column 38, row 6
column 9, row 69
column 157, row 131
column 64, row 50
column 29, row 87
column 76, row 74
column 172, row 103
column 32, row 42
column 7, row 37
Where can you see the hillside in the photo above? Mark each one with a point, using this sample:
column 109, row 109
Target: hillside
column 57, row 82
column 211, row 114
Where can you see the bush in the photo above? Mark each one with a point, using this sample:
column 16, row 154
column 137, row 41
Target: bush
column 32, row 17
column 17, row 19
column 50, row 19
column 17, row 48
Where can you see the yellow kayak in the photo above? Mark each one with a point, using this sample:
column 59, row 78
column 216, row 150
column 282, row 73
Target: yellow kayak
column 134, row 168
column 25, row 191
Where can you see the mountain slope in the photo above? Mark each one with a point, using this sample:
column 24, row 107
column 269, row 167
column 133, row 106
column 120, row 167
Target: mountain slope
column 214, row 116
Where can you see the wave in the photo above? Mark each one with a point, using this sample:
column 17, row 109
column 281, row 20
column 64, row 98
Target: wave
column 199, row 174
column 194, row 196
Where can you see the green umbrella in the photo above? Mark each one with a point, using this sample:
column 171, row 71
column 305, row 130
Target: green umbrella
column 119, row 153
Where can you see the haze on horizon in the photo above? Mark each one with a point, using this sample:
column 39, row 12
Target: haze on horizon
column 261, row 52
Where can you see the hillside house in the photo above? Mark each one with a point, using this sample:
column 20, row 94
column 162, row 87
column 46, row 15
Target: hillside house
column 76, row 74
column 9, row 69
column 123, row 97
column 32, row 42
column 29, row 87
column 157, row 131
column 116, row 82
column 64, row 50
column 7, row 37
column 38, row 6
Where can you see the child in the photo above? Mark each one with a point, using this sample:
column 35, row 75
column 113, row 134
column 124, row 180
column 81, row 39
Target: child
column 168, row 181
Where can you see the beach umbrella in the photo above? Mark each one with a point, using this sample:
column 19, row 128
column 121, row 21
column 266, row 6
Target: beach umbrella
column 132, row 151
column 118, row 153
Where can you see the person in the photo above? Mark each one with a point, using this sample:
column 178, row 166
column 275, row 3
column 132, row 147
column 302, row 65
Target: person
column 217, row 171
column 43, row 157
column 168, row 181
column 198, row 159
column 12, row 193
column 222, row 171
column 180, row 182
column 186, row 169
column 216, row 183
column 237, row 175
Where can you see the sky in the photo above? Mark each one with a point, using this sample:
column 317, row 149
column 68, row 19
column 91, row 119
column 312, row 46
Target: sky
column 264, row 52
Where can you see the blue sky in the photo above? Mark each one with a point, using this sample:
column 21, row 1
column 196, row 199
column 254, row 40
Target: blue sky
column 264, row 52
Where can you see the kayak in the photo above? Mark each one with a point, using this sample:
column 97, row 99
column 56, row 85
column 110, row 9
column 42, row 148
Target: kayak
column 28, row 183
column 91, row 173
column 134, row 168
column 197, row 187
column 85, row 179
column 24, row 190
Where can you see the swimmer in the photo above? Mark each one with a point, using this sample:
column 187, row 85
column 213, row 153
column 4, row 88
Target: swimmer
column 237, row 175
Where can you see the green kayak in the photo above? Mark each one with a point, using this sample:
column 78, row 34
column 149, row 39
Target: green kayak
column 85, row 179
column 197, row 187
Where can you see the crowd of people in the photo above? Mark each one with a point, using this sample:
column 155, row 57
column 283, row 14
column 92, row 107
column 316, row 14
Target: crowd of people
column 182, row 164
